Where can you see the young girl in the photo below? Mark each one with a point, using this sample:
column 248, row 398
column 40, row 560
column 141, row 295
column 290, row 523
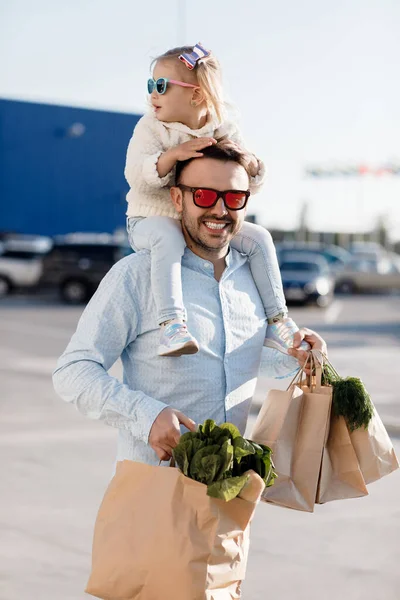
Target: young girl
column 187, row 114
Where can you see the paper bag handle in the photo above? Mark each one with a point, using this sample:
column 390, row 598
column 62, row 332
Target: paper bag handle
column 171, row 462
column 301, row 371
column 317, row 360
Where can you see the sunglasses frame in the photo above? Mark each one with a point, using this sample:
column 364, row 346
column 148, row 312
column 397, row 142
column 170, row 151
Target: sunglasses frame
column 153, row 82
column 187, row 188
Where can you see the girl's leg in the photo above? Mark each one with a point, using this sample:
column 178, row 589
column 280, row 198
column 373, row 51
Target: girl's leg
column 163, row 237
column 256, row 242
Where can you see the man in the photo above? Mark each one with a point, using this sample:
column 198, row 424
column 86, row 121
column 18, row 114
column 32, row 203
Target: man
column 225, row 314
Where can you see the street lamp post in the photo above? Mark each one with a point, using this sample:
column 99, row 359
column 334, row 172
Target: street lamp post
column 181, row 22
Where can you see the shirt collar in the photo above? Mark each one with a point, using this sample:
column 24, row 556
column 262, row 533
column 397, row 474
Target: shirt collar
column 195, row 262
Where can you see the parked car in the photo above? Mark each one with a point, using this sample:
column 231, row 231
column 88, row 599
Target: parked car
column 307, row 278
column 75, row 267
column 367, row 273
column 336, row 256
column 21, row 262
column 371, row 250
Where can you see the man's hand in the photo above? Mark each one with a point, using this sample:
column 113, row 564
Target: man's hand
column 165, row 432
column 191, row 149
column 316, row 342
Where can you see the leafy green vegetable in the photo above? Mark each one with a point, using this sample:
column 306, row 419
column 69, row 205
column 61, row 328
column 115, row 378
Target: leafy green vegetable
column 218, row 456
column 227, row 489
column 196, row 470
column 232, row 429
column 350, row 399
column 181, row 458
column 241, row 448
column 226, row 454
column 197, row 444
column 207, row 427
column 210, row 466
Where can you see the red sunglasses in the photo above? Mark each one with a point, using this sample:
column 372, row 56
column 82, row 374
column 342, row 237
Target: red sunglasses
column 207, row 197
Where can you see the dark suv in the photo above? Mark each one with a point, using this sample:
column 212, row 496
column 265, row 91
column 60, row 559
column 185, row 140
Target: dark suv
column 76, row 268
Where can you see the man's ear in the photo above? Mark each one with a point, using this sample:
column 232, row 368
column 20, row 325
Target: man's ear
column 176, row 197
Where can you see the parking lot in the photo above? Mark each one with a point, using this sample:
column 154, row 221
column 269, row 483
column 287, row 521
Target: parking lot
column 56, row 464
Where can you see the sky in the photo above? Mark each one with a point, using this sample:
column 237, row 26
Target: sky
column 314, row 82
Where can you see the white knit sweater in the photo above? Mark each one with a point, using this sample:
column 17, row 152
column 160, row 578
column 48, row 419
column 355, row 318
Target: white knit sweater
column 149, row 193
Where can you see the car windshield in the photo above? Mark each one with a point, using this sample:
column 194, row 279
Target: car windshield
column 300, row 266
column 20, row 254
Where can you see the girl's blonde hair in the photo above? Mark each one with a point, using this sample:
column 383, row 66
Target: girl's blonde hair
column 207, row 75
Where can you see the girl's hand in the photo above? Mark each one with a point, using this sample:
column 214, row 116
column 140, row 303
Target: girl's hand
column 191, row 149
column 251, row 161
column 253, row 165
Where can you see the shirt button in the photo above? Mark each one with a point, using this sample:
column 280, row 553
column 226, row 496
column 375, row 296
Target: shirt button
column 207, row 265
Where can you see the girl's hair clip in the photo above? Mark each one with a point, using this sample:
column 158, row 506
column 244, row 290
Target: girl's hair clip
column 192, row 58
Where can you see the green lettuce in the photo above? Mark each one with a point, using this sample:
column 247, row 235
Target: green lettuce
column 218, row 456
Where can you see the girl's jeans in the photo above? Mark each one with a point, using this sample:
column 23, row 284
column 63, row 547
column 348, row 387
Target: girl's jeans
column 164, row 238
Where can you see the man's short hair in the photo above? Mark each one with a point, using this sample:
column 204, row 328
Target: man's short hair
column 221, row 151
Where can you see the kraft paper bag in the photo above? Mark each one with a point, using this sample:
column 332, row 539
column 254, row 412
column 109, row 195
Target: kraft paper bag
column 374, row 450
column 159, row 536
column 372, row 445
column 294, row 424
column 340, row 476
column 277, row 426
column 313, row 434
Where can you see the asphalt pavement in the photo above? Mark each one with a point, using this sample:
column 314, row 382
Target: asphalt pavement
column 56, row 465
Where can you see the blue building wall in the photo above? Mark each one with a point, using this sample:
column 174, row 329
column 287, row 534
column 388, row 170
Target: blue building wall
column 55, row 178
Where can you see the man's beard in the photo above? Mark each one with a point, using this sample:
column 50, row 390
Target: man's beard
column 192, row 228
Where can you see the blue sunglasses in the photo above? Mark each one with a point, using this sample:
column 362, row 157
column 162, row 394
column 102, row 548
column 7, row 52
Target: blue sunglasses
column 161, row 85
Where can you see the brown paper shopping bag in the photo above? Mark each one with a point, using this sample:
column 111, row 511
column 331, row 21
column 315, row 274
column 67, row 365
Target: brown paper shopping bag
column 159, row 536
column 340, row 477
column 277, row 426
column 354, row 458
column 374, row 450
column 294, row 424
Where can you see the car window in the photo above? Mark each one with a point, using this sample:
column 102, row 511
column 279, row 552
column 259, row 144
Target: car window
column 300, row 266
column 308, row 251
column 363, row 266
column 21, row 254
column 331, row 258
column 93, row 252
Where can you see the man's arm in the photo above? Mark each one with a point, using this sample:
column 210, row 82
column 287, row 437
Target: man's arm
column 107, row 326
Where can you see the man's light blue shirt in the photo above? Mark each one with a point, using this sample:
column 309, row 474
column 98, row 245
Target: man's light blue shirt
column 227, row 319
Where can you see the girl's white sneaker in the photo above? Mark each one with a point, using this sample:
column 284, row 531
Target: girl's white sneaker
column 175, row 339
column 280, row 336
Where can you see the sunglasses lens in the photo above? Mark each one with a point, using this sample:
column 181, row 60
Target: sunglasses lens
column 161, row 85
column 235, row 200
column 204, row 198
column 150, row 86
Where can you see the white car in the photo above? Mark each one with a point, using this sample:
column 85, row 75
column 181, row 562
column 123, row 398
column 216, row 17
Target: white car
column 21, row 262
column 366, row 273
